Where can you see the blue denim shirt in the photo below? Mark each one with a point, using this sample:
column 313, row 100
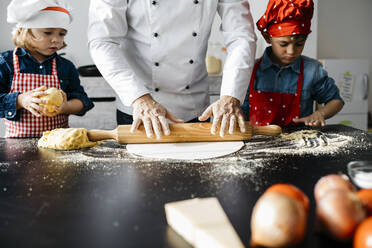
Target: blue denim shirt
column 66, row 71
column 317, row 86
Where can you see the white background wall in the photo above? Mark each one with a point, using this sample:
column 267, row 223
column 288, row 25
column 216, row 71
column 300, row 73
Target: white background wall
column 341, row 29
column 345, row 32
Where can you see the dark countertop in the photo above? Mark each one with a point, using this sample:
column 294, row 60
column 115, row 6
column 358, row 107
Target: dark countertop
column 105, row 197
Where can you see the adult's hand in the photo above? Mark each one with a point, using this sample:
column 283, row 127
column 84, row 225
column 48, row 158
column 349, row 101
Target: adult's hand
column 31, row 101
column 226, row 111
column 153, row 116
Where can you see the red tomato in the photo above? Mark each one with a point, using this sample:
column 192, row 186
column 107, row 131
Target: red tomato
column 291, row 191
column 365, row 195
column 363, row 234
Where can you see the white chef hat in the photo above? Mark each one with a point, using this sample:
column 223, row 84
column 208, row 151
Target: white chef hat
column 39, row 13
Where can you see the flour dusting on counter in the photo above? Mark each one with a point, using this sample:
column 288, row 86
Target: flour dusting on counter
column 259, row 155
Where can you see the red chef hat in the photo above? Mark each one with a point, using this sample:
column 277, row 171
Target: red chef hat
column 287, row 17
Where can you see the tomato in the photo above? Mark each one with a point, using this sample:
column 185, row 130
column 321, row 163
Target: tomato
column 291, row 191
column 363, row 234
column 365, row 195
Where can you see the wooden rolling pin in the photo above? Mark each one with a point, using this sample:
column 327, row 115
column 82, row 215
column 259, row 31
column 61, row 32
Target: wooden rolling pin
column 180, row 132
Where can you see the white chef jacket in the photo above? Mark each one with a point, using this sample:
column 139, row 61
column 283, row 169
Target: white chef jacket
column 159, row 47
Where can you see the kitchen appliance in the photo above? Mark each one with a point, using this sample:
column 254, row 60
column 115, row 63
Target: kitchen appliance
column 351, row 77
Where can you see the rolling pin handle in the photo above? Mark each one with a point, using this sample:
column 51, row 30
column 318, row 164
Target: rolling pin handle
column 271, row 130
column 98, row 135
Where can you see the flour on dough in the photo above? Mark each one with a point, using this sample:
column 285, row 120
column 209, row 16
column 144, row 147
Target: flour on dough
column 54, row 97
column 185, row 151
column 65, row 139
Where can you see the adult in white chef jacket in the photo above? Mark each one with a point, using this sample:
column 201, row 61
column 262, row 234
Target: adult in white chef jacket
column 152, row 53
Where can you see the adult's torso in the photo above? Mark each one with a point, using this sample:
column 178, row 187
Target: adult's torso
column 166, row 44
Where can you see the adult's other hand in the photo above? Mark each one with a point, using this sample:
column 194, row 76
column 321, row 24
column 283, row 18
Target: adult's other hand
column 227, row 112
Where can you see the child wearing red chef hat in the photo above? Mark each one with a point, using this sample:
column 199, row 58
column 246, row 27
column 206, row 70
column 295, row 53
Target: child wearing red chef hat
column 34, row 66
column 284, row 84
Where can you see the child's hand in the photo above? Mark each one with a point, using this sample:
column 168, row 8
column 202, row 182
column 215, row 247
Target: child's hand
column 316, row 119
column 57, row 110
column 30, row 101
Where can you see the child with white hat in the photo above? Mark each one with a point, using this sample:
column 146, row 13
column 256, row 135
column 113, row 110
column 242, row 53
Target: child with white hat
column 34, row 66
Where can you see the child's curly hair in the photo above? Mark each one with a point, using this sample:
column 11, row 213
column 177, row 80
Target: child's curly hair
column 23, row 37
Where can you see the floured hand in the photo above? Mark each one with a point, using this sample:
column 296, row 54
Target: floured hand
column 31, row 101
column 153, row 116
column 227, row 112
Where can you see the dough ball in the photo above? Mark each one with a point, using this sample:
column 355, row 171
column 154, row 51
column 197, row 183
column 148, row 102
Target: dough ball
column 65, row 139
column 54, row 96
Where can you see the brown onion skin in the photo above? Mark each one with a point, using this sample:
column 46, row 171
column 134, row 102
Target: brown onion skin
column 365, row 195
column 332, row 182
column 277, row 221
column 339, row 212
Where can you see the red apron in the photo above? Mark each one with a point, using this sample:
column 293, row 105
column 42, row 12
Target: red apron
column 30, row 125
column 278, row 108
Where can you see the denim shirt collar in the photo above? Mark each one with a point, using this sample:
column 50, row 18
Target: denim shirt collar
column 23, row 52
column 267, row 62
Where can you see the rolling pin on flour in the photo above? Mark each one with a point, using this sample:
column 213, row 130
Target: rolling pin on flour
column 181, row 132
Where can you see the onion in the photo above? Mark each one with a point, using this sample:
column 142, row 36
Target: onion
column 291, row 191
column 331, row 182
column 277, row 220
column 339, row 212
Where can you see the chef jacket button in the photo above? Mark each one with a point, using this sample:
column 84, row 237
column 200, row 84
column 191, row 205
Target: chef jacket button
column 41, row 67
column 191, row 61
column 196, row 1
column 194, row 34
column 156, row 64
column 153, row 2
column 283, row 106
column 9, row 113
column 187, row 87
column 156, row 89
column 156, row 34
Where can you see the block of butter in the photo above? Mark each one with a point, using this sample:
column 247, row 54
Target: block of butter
column 202, row 222
column 213, row 65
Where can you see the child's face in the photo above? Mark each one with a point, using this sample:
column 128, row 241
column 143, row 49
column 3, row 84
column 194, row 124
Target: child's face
column 287, row 49
column 48, row 40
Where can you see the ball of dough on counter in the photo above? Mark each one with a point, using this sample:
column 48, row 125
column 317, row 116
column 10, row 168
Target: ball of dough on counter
column 54, row 97
column 65, row 139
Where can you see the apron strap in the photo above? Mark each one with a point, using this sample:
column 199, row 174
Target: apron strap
column 15, row 62
column 54, row 67
column 253, row 76
column 300, row 79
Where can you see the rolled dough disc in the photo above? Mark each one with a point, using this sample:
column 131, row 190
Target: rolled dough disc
column 185, row 151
